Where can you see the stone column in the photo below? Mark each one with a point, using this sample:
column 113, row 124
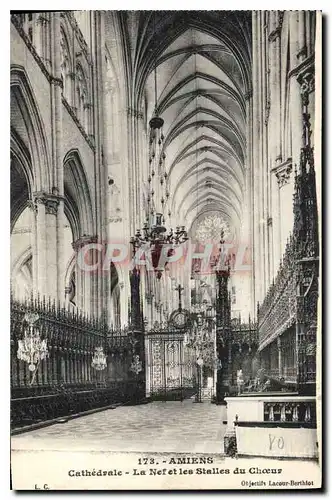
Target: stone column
column 124, row 297
column 67, row 292
column 98, row 283
column 281, row 179
column 60, row 223
column 280, row 367
column 302, row 53
column 55, row 206
column 295, row 97
column 47, row 244
column 295, row 130
column 41, row 247
column 250, row 197
column 108, row 148
column 276, row 145
column 317, row 133
column 44, row 244
column 33, row 242
column 53, row 265
column 134, row 138
column 85, row 279
column 38, row 34
column 142, row 156
column 123, row 305
column 265, row 178
column 256, row 131
column 277, row 95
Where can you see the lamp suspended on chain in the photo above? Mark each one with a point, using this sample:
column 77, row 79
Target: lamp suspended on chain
column 154, row 231
column 32, row 349
column 136, row 365
column 201, row 337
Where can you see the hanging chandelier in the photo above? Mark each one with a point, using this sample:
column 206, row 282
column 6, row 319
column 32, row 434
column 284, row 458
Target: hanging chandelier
column 156, row 237
column 154, row 231
column 32, row 349
column 156, row 234
column 99, row 359
column 137, row 365
column 158, row 189
column 158, row 193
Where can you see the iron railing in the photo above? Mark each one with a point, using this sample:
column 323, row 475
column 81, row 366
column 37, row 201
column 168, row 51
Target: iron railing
column 171, row 366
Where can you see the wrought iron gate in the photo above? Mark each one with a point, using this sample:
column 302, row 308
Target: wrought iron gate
column 171, row 367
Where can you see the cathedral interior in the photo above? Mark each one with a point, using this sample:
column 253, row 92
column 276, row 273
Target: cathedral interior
column 165, row 203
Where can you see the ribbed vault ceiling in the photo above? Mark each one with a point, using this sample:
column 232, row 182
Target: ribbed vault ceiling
column 203, row 74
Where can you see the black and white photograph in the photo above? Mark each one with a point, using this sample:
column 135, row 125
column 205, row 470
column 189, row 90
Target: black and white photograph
column 165, row 249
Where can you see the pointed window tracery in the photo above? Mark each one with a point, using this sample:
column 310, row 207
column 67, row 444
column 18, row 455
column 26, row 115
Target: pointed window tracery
column 82, row 97
column 66, row 68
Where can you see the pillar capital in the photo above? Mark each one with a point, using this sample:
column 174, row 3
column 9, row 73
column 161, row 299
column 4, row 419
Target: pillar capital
column 33, row 206
column 51, row 202
column 283, row 171
column 82, row 241
column 306, row 80
column 303, row 68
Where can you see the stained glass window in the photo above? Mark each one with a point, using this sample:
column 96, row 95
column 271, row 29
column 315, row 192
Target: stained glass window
column 210, row 227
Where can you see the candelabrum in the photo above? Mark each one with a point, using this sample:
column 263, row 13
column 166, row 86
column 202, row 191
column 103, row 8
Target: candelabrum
column 201, row 339
column 32, row 349
column 156, row 236
column 155, row 233
column 222, row 261
column 99, row 362
column 137, row 365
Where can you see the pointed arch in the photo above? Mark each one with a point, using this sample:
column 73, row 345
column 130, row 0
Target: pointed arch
column 21, row 274
column 24, row 110
column 83, row 98
column 70, row 280
column 21, row 177
column 78, row 200
column 205, row 22
column 66, row 66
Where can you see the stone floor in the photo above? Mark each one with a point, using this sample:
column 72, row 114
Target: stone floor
column 171, row 426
